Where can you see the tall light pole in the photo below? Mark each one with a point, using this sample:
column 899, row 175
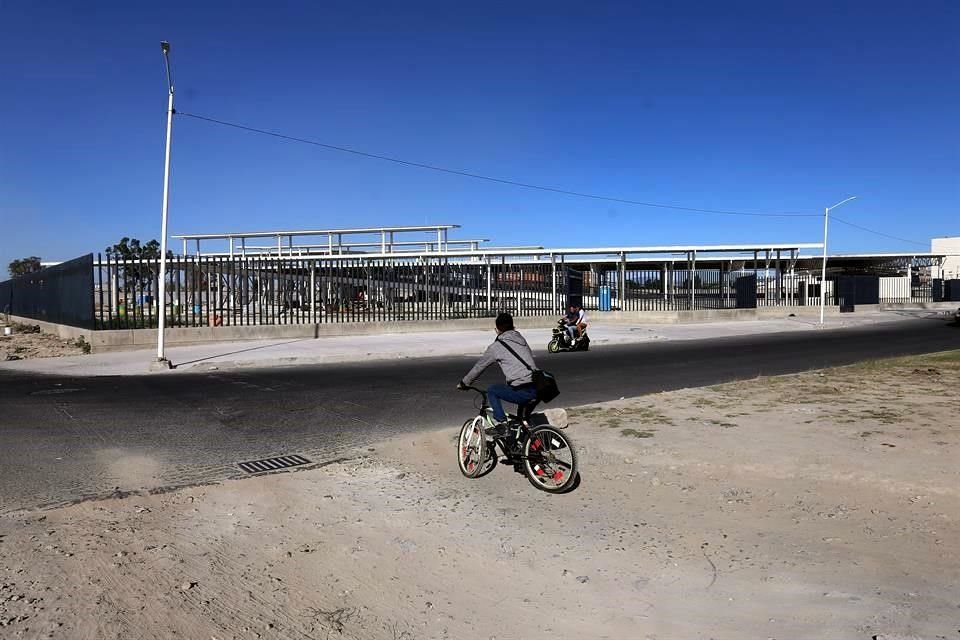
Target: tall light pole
column 162, row 315
column 823, row 273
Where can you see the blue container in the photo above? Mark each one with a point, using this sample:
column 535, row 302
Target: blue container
column 606, row 299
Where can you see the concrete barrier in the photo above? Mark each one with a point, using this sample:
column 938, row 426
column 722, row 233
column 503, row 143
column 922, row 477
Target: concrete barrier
column 60, row 330
column 129, row 339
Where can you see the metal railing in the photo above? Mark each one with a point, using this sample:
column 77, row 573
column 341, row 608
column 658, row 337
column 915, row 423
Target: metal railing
column 262, row 290
column 267, row 290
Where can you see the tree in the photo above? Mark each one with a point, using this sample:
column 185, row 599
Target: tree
column 131, row 249
column 139, row 263
column 24, row 266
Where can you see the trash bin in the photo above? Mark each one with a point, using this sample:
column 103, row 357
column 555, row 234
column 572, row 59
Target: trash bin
column 606, row 299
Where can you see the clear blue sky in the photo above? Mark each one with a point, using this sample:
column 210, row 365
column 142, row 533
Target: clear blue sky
column 757, row 106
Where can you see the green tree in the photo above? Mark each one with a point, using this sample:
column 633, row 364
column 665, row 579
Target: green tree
column 131, row 249
column 139, row 263
column 24, row 266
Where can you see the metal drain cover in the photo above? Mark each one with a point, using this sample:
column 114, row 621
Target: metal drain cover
column 273, row 464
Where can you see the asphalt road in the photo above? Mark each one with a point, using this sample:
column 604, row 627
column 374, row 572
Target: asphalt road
column 64, row 439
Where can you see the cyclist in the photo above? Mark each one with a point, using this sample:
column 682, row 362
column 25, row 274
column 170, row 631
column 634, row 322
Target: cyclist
column 519, row 389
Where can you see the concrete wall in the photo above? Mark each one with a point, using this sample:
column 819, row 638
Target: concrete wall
column 951, row 264
column 127, row 339
column 59, row 330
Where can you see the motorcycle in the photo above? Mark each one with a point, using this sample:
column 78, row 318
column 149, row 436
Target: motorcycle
column 561, row 339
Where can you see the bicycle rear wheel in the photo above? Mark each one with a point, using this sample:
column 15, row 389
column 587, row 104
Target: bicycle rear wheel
column 472, row 451
column 550, row 461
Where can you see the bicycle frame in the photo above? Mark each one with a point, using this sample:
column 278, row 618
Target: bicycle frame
column 519, row 431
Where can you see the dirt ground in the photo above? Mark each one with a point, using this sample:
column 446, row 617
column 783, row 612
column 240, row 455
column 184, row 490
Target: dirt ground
column 820, row 505
column 25, row 343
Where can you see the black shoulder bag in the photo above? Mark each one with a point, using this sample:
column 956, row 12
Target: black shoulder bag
column 544, row 381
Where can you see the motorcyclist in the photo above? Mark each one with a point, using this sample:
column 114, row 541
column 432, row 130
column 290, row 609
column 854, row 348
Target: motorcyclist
column 574, row 319
column 519, row 389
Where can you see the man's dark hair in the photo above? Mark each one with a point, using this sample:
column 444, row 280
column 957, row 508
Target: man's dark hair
column 505, row 322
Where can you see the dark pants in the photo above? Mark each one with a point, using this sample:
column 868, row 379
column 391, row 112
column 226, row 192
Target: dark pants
column 520, row 396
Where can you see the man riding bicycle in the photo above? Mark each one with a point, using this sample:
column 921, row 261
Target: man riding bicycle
column 519, row 389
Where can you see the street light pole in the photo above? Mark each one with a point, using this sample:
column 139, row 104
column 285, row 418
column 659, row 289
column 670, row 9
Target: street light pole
column 823, row 272
column 162, row 304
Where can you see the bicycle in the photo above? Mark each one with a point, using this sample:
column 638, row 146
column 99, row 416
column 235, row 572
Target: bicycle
column 543, row 453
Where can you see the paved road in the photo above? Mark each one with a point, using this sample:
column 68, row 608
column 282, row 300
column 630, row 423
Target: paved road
column 64, row 439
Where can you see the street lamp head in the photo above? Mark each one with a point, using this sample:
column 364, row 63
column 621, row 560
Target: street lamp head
column 842, row 202
column 165, row 47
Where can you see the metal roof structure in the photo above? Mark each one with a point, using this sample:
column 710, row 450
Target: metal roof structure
column 385, row 245
column 314, row 232
column 334, row 237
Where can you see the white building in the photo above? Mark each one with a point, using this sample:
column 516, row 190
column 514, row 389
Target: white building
column 950, row 249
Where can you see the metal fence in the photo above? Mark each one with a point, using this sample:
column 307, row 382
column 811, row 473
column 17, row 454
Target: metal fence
column 242, row 291
column 112, row 293
column 61, row 294
column 672, row 289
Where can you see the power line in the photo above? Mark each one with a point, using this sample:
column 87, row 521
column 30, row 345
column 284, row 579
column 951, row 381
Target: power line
column 879, row 233
column 525, row 185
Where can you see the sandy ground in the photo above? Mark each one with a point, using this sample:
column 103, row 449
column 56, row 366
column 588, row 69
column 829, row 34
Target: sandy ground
column 22, row 345
column 819, row 505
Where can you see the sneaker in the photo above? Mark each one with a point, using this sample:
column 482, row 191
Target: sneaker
column 499, row 430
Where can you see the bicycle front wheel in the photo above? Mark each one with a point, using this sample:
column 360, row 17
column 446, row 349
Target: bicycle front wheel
column 549, row 460
column 472, row 455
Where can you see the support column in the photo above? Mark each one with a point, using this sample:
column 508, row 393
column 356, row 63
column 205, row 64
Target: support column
column 779, row 278
column 663, row 280
column 553, row 281
column 520, row 294
column 793, row 277
column 726, row 283
column 910, row 280
column 184, row 247
column 489, row 286
column 693, row 279
column 114, row 288
column 623, row 282
column 313, row 289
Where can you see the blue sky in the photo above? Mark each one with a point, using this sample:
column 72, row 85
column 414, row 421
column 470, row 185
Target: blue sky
column 755, row 106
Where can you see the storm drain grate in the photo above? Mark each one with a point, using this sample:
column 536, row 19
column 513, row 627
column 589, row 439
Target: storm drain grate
column 273, row 464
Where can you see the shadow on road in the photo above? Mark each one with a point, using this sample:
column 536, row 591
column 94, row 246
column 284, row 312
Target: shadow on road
column 233, row 353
